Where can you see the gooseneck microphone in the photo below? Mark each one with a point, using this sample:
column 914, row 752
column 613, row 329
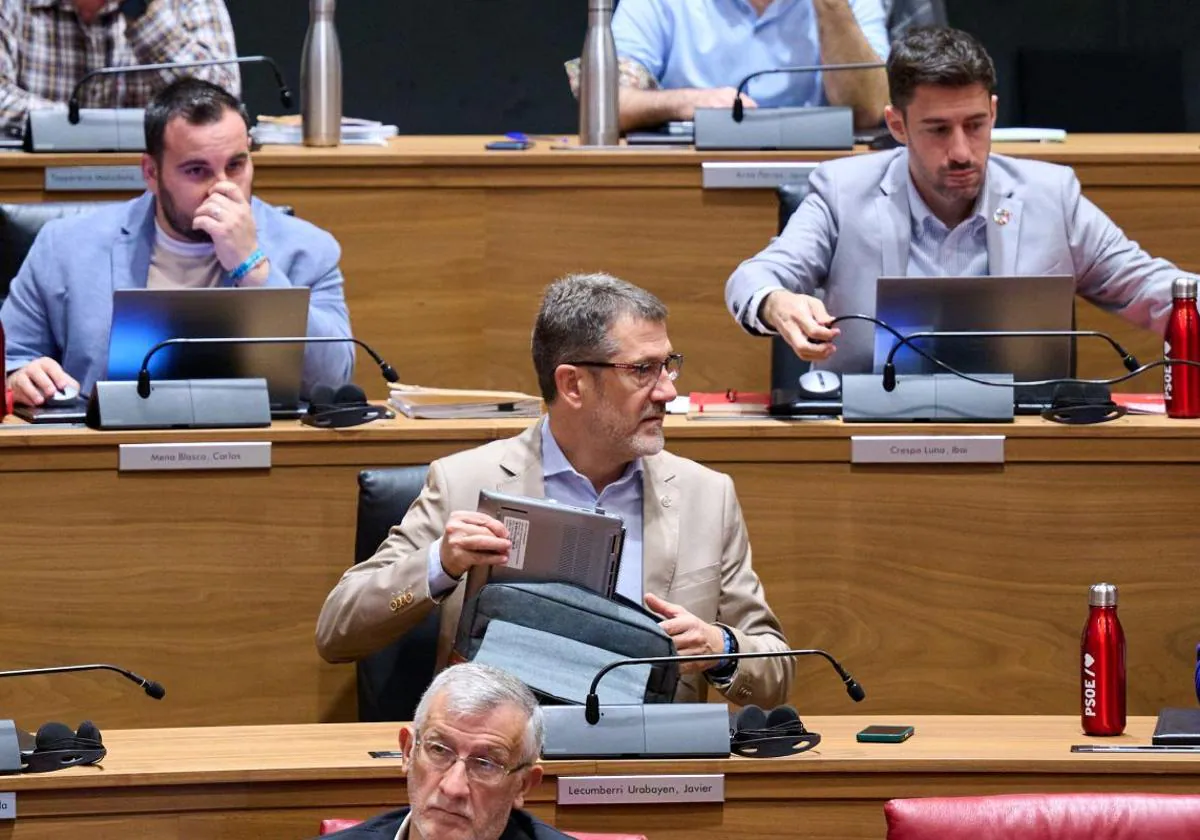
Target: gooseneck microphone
column 739, row 109
column 285, row 95
column 152, row 688
column 143, row 377
column 592, row 702
column 889, row 367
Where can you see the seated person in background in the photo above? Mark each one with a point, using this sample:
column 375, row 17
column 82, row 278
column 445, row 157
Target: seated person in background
column 470, row 758
column 606, row 370
column 679, row 55
column 46, row 46
column 196, row 227
column 941, row 206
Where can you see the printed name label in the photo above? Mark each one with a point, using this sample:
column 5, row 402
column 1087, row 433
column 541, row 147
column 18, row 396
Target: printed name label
column 718, row 175
column 927, row 449
column 640, row 790
column 94, row 178
column 249, row 455
column 8, row 806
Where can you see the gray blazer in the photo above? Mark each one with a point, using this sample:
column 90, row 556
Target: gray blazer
column 695, row 553
column 855, row 224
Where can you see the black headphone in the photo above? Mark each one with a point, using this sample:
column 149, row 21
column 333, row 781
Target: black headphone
column 56, row 746
column 347, row 406
column 1082, row 404
column 758, row 734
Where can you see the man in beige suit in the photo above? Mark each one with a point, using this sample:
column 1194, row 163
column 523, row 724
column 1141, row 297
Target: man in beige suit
column 606, row 370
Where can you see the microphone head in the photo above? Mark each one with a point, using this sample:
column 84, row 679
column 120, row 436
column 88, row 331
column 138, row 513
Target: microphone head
column 285, row 96
column 739, row 111
column 389, row 372
column 855, row 690
column 155, row 689
column 73, row 111
column 889, row 377
column 143, row 383
column 1131, row 362
column 591, row 712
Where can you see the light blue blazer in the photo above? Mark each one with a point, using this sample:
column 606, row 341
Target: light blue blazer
column 854, row 227
column 60, row 303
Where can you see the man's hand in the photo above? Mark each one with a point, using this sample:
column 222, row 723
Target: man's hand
column 471, row 539
column 691, row 636
column 693, row 98
column 88, row 10
column 802, row 322
column 38, row 380
column 226, row 216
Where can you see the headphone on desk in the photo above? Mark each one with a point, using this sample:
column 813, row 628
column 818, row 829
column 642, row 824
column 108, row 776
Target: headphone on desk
column 780, row 732
column 347, row 406
column 56, row 747
column 1082, row 404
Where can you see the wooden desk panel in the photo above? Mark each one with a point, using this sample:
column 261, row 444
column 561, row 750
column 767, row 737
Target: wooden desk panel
column 446, row 248
column 944, row 590
column 280, row 781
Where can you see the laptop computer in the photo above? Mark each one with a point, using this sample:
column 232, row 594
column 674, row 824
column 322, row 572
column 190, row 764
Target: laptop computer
column 553, row 541
column 917, row 304
column 144, row 317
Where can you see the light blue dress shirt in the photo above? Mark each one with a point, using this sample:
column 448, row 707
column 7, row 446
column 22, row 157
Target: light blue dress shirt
column 717, row 43
column 937, row 251
column 563, row 484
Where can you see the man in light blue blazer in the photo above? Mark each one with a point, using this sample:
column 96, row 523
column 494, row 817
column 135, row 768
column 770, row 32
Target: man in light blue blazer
column 196, row 227
column 941, row 206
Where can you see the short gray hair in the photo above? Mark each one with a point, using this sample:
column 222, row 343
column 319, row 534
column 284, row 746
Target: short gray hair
column 473, row 689
column 575, row 317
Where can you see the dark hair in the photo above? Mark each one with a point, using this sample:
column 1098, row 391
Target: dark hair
column 936, row 55
column 197, row 101
column 574, row 320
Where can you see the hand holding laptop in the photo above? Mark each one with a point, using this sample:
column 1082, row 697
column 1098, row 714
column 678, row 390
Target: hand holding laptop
column 473, row 539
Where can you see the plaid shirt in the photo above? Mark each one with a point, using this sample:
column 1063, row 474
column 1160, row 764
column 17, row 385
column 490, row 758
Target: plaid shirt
column 45, row 49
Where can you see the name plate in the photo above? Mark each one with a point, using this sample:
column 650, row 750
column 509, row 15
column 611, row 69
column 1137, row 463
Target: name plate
column 8, row 806
column 927, row 449
column 640, row 790
column 250, row 455
column 94, row 178
column 754, row 176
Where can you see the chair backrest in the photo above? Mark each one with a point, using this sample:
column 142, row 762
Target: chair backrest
column 1047, row 816
column 330, row 826
column 902, row 15
column 390, row 681
column 19, row 226
column 786, row 366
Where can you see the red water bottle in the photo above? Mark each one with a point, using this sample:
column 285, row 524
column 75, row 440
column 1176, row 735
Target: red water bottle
column 1181, row 383
column 1102, row 669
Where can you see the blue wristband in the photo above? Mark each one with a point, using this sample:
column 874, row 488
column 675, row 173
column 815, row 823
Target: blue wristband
column 249, row 264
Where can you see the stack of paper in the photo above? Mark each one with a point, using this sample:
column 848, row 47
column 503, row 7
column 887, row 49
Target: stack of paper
column 289, row 131
column 448, row 403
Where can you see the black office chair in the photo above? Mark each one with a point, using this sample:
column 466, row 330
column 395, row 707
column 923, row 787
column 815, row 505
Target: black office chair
column 786, row 366
column 390, row 681
column 902, row 15
column 21, row 223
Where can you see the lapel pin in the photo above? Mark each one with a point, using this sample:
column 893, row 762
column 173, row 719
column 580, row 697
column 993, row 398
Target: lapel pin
column 1002, row 216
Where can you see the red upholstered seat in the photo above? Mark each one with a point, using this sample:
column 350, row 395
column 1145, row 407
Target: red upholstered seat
column 1057, row 816
column 330, row 826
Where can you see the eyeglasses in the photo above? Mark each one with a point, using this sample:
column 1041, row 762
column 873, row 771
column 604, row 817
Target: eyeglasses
column 644, row 373
column 479, row 769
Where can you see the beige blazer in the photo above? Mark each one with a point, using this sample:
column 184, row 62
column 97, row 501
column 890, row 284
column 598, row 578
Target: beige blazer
column 695, row 553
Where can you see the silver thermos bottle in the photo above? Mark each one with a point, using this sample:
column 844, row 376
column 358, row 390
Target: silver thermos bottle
column 598, row 121
column 321, row 77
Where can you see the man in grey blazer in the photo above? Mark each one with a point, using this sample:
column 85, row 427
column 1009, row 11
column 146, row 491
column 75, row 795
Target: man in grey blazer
column 606, row 370
column 197, row 226
column 943, row 205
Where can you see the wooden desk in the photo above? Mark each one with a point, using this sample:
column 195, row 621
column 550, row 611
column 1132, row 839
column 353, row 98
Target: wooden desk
column 279, row 781
column 943, row 589
column 446, row 247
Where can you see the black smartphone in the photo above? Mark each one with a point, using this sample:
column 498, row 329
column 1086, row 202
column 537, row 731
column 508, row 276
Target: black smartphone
column 385, row 753
column 884, row 734
column 508, row 145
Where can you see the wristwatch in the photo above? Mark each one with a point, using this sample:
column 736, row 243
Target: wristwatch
column 133, row 9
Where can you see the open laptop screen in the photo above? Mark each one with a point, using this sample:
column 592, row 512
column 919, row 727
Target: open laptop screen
column 144, row 317
column 918, row 304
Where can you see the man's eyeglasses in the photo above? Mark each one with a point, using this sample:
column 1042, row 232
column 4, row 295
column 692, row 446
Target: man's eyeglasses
column 479, row 769
column 645, row 373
